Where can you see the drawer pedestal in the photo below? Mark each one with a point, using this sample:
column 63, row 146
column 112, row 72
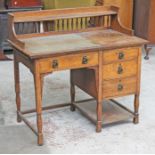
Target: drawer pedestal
column 120, row 72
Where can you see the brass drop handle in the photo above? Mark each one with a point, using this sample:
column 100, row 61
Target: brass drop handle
column 120, row 69
column 120, row 87
column 55, row 64
column 121, row 55
column 85, row 60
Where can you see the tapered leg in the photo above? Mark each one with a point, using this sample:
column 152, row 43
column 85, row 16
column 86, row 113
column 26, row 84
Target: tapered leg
column 72, row 92
column 38, row 96
column 99, row 116
column 17, row 87
column 136, row 110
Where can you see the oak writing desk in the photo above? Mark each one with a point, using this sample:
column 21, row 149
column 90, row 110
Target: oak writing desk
column 103, row 56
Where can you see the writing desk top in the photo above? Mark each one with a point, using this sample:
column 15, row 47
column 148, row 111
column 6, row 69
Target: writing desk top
column 44, row 46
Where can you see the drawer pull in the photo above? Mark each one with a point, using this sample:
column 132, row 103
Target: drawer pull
column 120, row 69
column 55, row 64
column 85, row 60
column 121, row 55
column 120, row 87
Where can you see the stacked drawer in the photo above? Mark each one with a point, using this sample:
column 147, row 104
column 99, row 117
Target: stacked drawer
column 120, row 71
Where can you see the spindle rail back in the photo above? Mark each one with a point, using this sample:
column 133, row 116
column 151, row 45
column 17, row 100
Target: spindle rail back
column 61, row 21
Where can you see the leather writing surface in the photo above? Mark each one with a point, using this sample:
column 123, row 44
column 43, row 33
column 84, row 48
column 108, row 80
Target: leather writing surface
column 56, row 44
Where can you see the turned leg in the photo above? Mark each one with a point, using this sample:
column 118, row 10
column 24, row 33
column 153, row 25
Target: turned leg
column 136, row 110
column 17, row 87
column 72, row 92
column 98, row 76
column 99, row 116
column 38, row 96
column 147, row 50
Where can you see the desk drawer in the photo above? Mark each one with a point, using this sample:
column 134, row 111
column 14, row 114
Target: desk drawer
column 119, row 55
column 120, row 70
column 69, row 62
column 116, row 88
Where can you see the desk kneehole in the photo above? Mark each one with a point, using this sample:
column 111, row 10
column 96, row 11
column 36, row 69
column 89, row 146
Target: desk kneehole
column 72, row 61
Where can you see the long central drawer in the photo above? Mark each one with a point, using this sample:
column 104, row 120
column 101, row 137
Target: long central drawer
column 120, row 70
column 73, row 61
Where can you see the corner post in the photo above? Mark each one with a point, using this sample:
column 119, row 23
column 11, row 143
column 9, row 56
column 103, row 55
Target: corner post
column 99, row 92
column 136, row 100
column 38, row 96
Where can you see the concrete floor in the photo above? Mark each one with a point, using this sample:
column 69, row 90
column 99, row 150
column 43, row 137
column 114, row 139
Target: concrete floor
column 67, row 132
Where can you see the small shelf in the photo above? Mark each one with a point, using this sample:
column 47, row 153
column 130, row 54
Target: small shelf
column 112, row 113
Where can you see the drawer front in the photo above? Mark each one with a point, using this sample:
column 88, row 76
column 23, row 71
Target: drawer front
column 69, row 62
column 119, row 55
column 120, row 70
column 117, row 88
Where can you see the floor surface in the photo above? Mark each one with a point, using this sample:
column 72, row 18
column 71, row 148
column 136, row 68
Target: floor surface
column 68, row 132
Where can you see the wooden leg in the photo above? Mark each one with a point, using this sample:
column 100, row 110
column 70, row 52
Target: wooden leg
column 17, row 87
column 42, row 84
column 72, row 92
column 38, row 96
column 99, row 116
column 136, row 110
column 147, row 50
column 98, row 75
